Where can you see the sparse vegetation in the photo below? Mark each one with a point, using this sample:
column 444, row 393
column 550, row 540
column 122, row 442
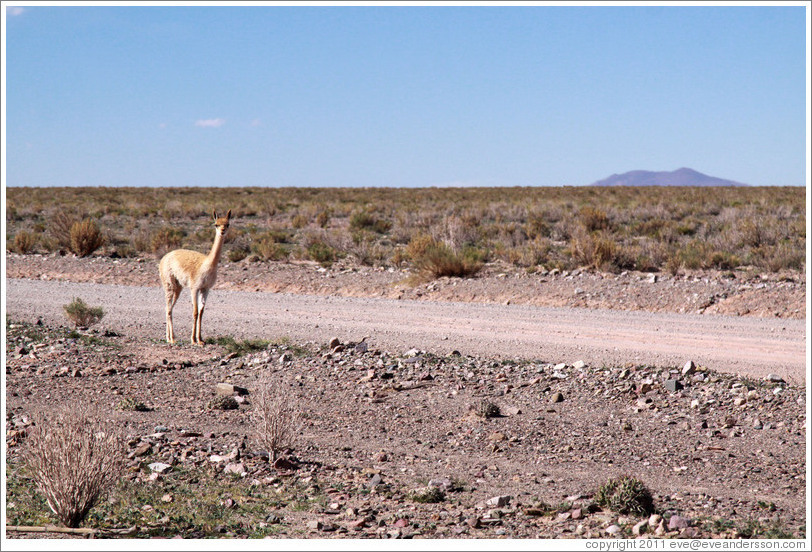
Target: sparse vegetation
column 608, row 229
column 275, row 418
column 428, row 495
column 85, row 237
column 625, row 495
column 82, row 315
column 74, row 459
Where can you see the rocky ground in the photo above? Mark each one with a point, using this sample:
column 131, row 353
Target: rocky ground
column 403, row 444
column 722, row 456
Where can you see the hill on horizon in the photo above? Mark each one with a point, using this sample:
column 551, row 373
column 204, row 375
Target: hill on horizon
column 679, row 177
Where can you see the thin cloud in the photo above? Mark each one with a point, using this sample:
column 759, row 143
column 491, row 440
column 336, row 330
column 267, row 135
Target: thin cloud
column 211, row 123
column 14, row 10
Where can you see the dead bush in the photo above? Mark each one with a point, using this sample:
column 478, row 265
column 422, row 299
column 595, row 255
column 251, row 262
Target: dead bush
column 275, row 418
column 60, row 228
column 438, row 260
column 23, row 242
column 74, row 457
column 85, row 237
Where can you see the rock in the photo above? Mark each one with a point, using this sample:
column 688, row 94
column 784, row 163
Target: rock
column 498, row 501
column 640, row 528
column 227, row 390
column 142, row 449
column 652, row 278
column 576, row 513
column 614, row 529
column 579, row 365
column 775, row 378
column 673, row 385
column 654, row 520
column 362, row 347
column 315, row 525
column 559, row 367
column 401, row 523
column 689, row 368
column 677, row 523
column 473, row 522
column 236, row 468
column 757, row 424
column 643, row 388
column 159, row 467
column 285, row 358
column 285, row 464
column 335, row 342
column 557, row 397
column 729, row 422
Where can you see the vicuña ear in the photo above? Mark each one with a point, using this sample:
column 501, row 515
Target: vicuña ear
column 214, row 214
column 228, row 215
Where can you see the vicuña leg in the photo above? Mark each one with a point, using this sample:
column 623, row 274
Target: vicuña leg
column 201, row 304
column 172, row 290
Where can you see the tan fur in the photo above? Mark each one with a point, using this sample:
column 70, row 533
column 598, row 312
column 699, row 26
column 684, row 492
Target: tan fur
column 183, row 268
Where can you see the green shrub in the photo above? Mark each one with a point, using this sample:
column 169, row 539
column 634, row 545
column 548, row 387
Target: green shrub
column 321, row 253
column 429, row 495
column 625, row 495
column 364, row 220
column 82, row 315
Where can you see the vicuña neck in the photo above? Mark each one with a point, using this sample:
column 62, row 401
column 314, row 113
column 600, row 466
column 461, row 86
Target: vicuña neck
column 216, row 248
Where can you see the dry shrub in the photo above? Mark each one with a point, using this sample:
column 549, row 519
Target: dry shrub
column 595, row 250
column 85, row 237
column 60, row 228
column 594, row 219
column 165, row 239
column 23, row 242
column 74, row 457
column 275, row 418
column 268, row 249
column 438, row 260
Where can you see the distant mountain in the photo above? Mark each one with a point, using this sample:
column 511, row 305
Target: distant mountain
column 680, row 177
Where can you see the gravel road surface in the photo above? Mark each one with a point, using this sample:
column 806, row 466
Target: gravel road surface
column 748, row 346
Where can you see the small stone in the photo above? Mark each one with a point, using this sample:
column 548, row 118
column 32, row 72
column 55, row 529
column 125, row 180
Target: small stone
column 729, row 422
column 473, row 522
column 159, row 467
column 401, row 523
column 677, row 523
column 689, row 368
column 775, row 378
column 557, row 397
column 498, row 501
column 643, row 388
column 227, row 390
column 614, row 529
column 757, row 424
column 579, row 365
column 167, row 498
column 739, row 401
column 285, row 358
column 640, row 528
column 576, row 513
column 654, row 520
column 335, row 342
column 237, row 468
column 315, row 525
column 673, row 385
column 652, row 278
column 695, row 403
column 142, row 449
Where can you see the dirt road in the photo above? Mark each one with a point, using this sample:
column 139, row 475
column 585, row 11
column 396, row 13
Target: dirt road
column 748, row 346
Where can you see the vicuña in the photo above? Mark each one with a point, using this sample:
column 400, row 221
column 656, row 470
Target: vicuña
column 183, row 268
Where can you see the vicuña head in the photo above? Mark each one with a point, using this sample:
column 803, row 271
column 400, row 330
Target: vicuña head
column 184, row 268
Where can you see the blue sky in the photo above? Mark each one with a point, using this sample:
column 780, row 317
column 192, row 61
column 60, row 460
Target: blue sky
column 531, row 95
